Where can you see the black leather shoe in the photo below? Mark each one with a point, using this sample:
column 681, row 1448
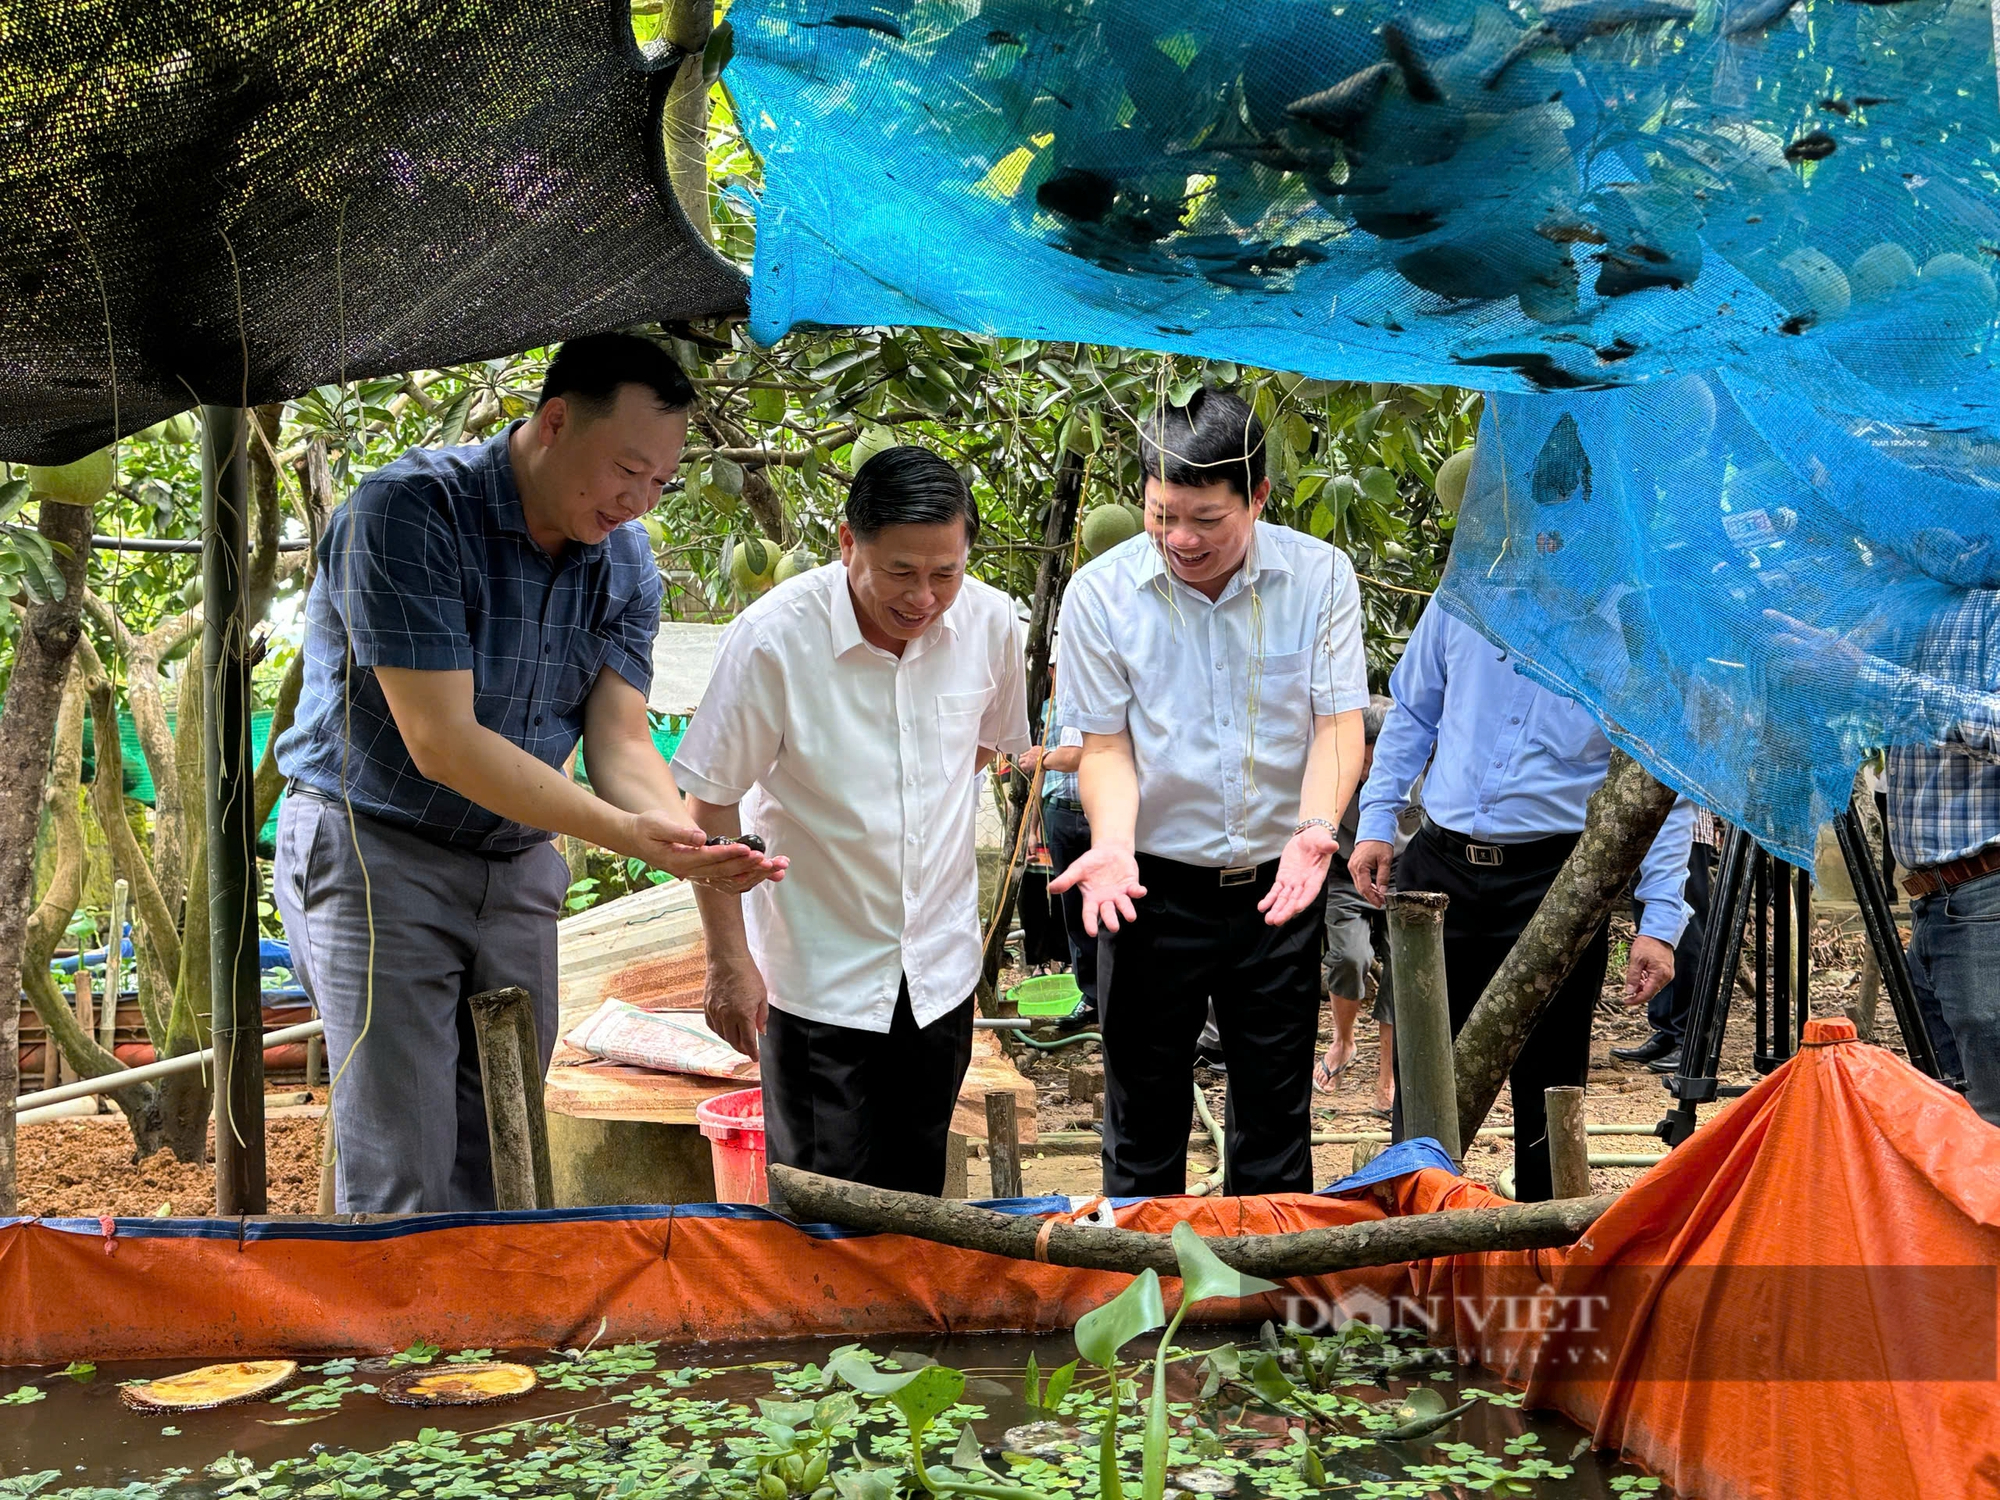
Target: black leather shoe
column 1656, row 1046
column 1670, row 1063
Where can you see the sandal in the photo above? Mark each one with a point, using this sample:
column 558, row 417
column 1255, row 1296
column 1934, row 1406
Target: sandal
column 1327, row 1080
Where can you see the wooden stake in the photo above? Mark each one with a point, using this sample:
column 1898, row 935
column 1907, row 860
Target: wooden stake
column 811, row 1198
column 1003, row 1143
column 114, row 966
column 956, row 1178
column 511, row 1077
column 1569, row 1145
column 85, row 1016
column 1423, row 1018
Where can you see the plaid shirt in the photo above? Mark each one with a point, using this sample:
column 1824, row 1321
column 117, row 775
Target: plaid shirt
column 429, row 566
column 1944, row 795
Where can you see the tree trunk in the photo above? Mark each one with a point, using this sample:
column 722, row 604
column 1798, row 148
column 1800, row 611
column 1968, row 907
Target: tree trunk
column 51, row 918
column 184, row 1097
column 27, row 730
column 809, row 1198
column 1058, row 528
column 1623, row 817
column 686, row 25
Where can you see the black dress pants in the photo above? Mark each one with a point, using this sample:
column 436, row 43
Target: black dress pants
column 1197, row 939
column 1490, row 904
column 1068, row 833
column 866, row 1106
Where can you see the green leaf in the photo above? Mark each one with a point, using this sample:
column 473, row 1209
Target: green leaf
column 1379, row 485
column 452, row 431
column 1269, row 1380
column 854, row 1367
column 968, row 1454
column 726, row 475
column 13, row 495
column 833, row 1410
column 1313, row 1470
column 930, row 1391
column 1031, row 1381
column 768, row 406
column 715, row 56
column 1321, row 522
column 1103, row 1331
column 1203, row 1275
column 1059, row 1384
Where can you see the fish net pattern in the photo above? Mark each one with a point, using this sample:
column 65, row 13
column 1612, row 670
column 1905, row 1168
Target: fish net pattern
column 1727, row 267
column 236, row 202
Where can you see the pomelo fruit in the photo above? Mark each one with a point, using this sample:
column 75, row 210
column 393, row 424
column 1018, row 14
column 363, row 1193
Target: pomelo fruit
column 84, row 482
column 1880, row 270
column 1107, row 526
column 793, row 563
column 1451, row 477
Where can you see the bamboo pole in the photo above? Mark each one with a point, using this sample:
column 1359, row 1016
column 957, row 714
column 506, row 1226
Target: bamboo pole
column 1003, row 1143
column 1569, row 1147
column 1424, row 1063
column 86, row 1018
column 505, row 1071
column 114, row 965
column 230, row 779
column 809, row 1197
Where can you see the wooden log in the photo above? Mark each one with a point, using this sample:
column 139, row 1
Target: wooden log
column 114, row 965
column 957, row 1179
column 503, row 1074
column 1569, row 1145
column 1423, row 1018
column 1003, row 1144
column 1622, row 819
column 528, row 1039
column 811, row 1198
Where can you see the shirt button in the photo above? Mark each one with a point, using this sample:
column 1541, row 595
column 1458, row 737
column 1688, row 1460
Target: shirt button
column 538, row 719
column 547, row 648
column 911, row 839
column 1515, row 720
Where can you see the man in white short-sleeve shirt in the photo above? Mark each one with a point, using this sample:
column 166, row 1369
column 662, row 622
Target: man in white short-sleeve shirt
column 1215, row 667
column 847, row 719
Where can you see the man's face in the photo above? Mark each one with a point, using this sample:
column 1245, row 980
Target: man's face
column 601, row 471
column 1204, row 530
column 904, row 577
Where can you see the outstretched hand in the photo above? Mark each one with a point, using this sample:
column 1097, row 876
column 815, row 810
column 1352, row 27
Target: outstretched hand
column 682, row 849
column 1110, row 882
column 1648, row 970
column 1301, row 875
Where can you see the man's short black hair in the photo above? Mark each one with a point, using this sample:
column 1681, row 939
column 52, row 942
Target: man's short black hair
column 588, row 371
column 909, row 487
column 1214, row 439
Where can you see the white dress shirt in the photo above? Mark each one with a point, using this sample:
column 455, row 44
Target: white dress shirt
column 1219, row 697
column 1513, row 761
column 858, row 766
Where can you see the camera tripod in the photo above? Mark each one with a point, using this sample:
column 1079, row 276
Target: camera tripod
column 1770, row 901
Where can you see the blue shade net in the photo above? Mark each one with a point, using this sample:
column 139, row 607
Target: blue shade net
column 1728, row 267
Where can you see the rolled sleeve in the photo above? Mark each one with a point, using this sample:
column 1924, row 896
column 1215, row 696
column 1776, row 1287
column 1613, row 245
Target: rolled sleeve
column 632, row 633
column 1340, row 665
column 396, row 580
column 736, row 733
column 1004, row 726
column 1094, row 683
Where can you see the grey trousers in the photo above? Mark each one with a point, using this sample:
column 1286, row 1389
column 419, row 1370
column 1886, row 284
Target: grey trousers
column 408, row 1109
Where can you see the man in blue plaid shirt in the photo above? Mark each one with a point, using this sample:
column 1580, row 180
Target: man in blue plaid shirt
column 476, row 612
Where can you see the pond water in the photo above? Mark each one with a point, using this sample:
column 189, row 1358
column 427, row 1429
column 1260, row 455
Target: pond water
column 1251, row 1412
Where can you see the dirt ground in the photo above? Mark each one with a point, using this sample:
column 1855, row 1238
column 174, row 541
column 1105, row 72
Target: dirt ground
column 84, row 1166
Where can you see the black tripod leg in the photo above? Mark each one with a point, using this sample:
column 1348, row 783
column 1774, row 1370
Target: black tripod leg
column 1880, row 920
column 1701, row 1045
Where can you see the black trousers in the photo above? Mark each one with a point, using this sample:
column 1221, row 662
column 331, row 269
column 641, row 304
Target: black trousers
column 1197, row 939
column 1490, row 904
column 864, row 1105
column 1068, row 833
column 1668, row 1010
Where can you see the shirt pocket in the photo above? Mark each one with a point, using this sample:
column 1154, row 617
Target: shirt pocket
column 1284, row 698
column 958, row 716
column 1567, row 731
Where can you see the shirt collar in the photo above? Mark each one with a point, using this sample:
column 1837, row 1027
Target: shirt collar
column 847, row 625
column 503, row 499
column 1266, row 555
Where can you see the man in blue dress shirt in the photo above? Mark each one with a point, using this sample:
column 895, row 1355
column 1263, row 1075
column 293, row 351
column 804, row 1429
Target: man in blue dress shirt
column 1503, row 806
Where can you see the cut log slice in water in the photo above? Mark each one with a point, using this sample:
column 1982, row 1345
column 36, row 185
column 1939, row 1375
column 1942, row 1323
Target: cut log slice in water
column 211, row 1385
column 460, row 1385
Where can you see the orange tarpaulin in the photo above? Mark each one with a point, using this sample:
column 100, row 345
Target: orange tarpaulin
column 1799, row 1302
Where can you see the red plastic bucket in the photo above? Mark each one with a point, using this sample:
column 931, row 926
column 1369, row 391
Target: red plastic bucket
column 734, row 1125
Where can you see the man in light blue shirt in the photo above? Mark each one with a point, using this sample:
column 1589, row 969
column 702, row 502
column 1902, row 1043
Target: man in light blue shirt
column 1503, row 805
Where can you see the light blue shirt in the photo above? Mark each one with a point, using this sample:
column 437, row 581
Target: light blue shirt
column 1514, row 761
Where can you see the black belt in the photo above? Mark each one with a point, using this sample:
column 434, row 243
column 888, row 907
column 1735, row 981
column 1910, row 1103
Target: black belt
column 1067, row 804
column 1490, row 855
column 1156, row 870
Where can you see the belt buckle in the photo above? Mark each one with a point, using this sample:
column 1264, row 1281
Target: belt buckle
column 1483, row 854
column 1239, row 875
